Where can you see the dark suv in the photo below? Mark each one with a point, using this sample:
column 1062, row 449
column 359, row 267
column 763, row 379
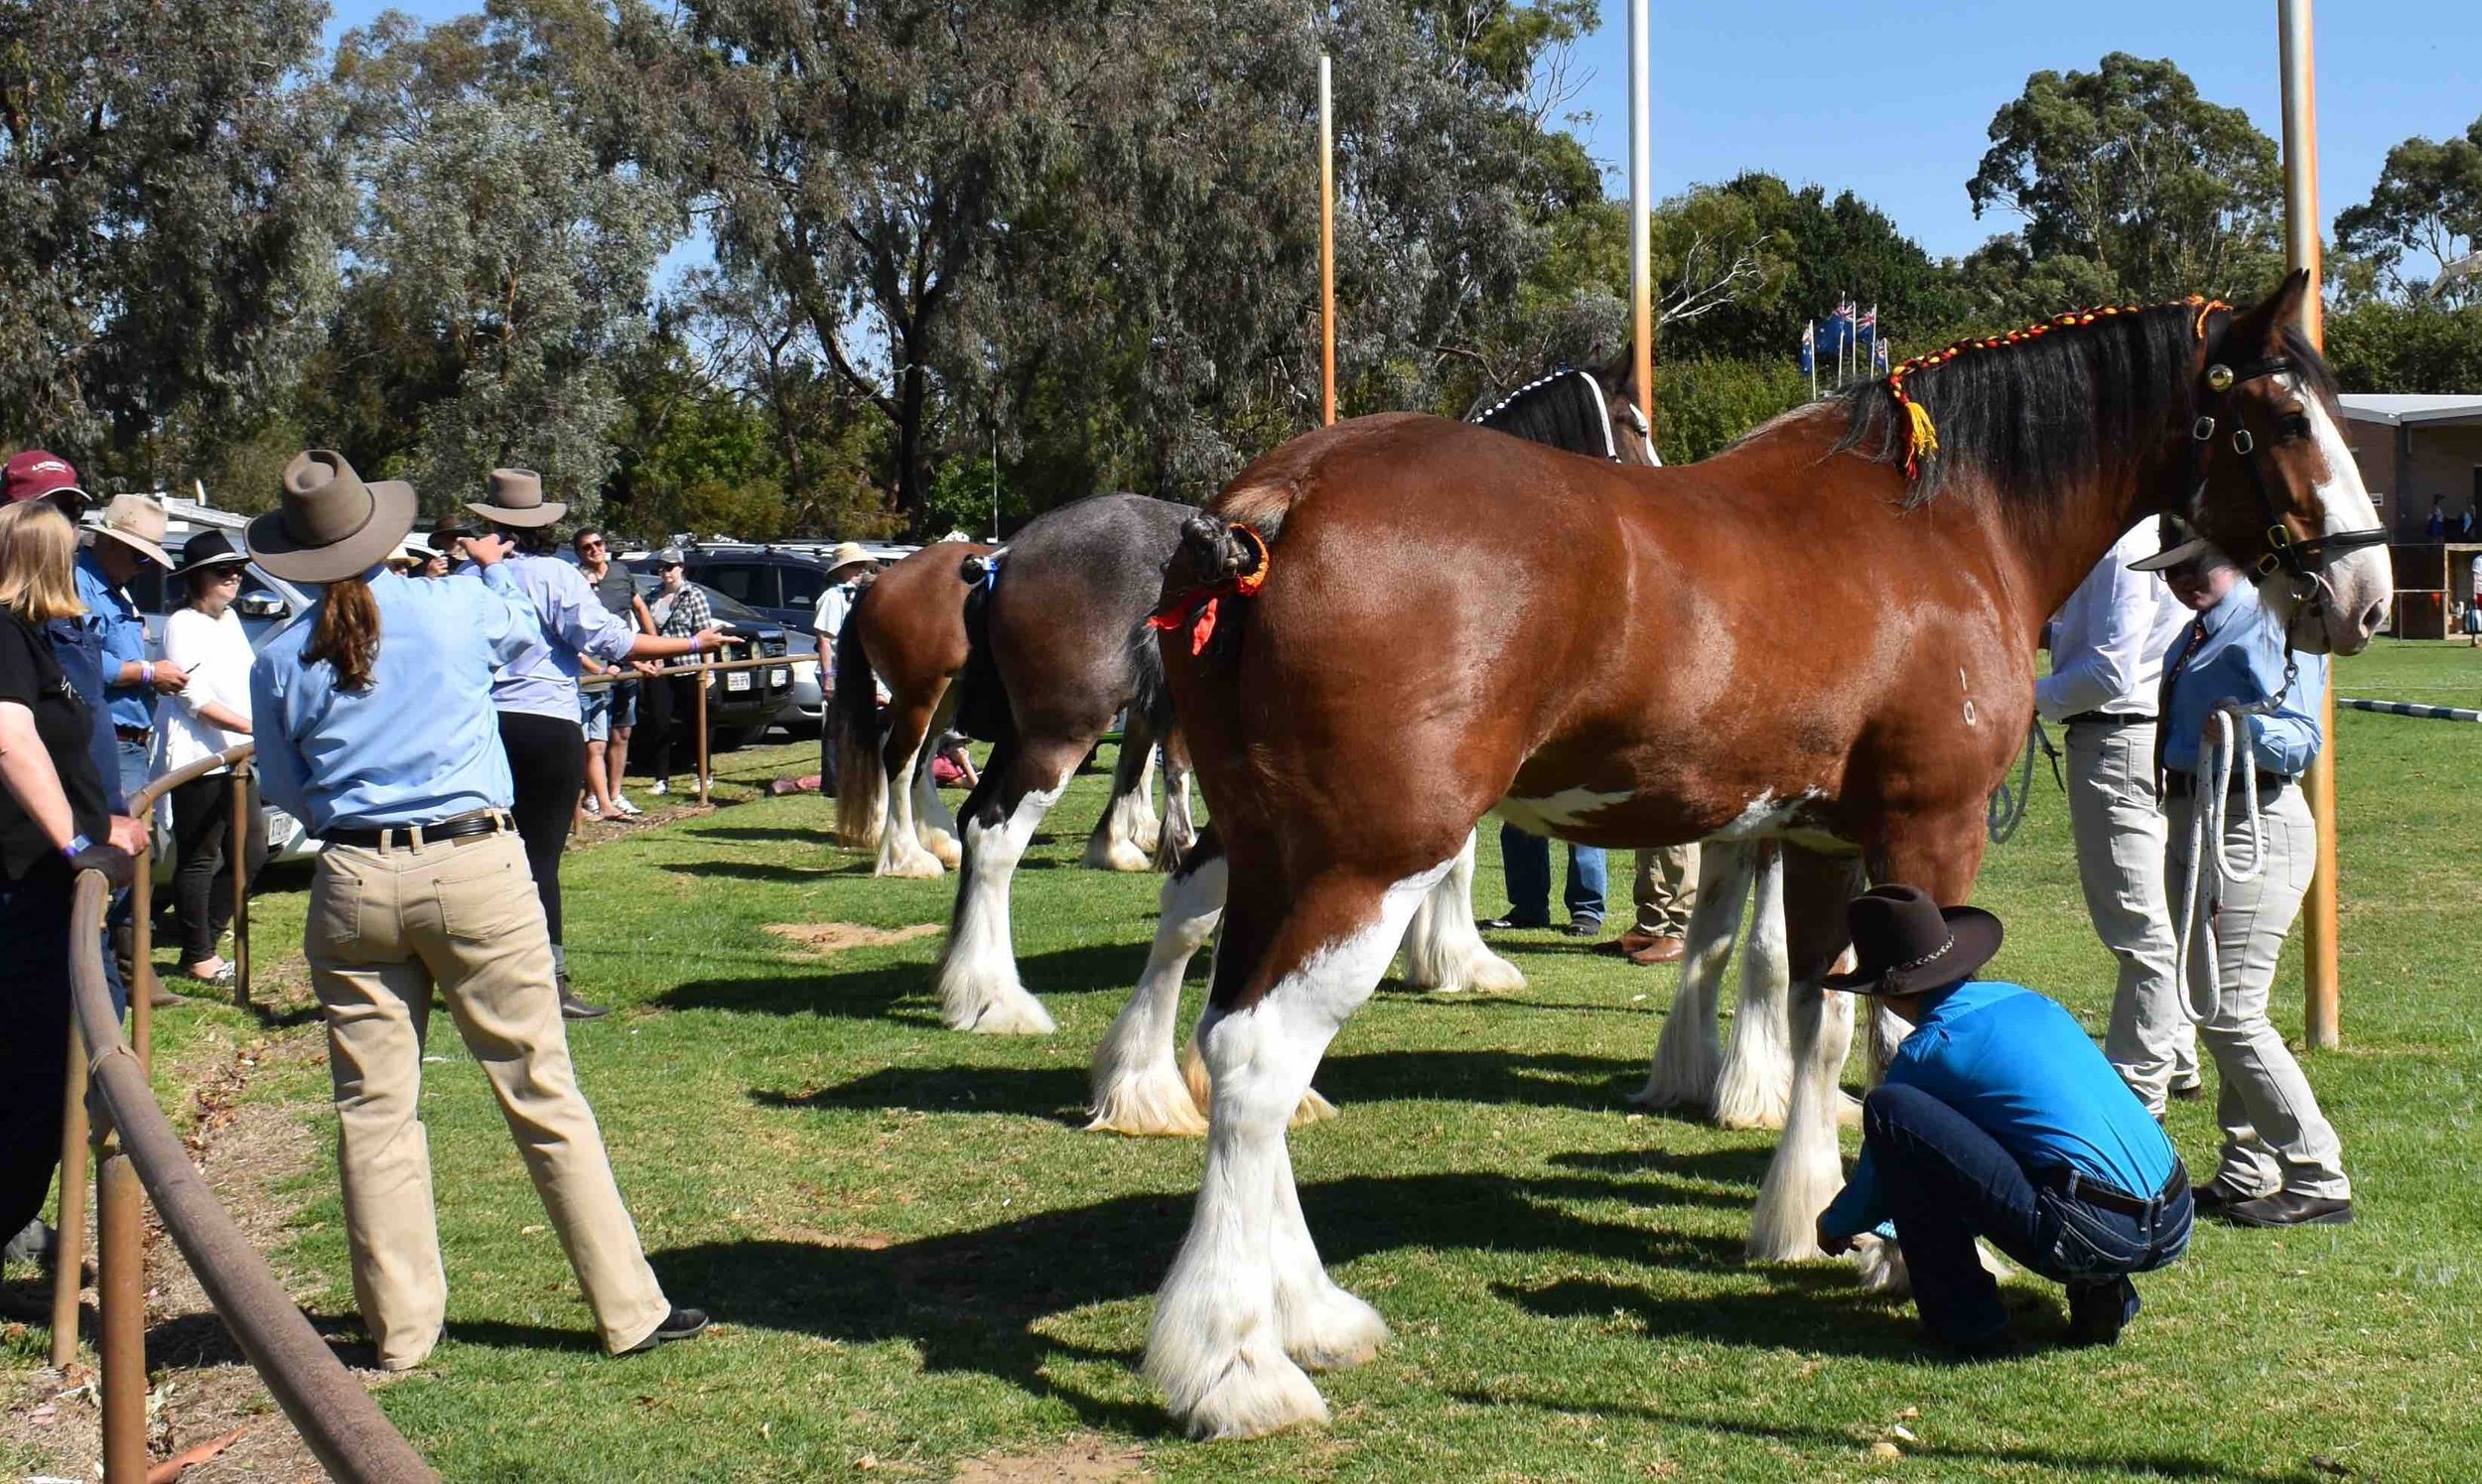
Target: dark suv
column 741, row 703
column 781, row 582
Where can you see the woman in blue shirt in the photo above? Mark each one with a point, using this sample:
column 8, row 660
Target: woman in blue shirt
column 2281, row 1163
column 374, row 727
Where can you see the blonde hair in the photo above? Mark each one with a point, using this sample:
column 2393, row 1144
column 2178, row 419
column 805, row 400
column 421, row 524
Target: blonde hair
column 38, row 554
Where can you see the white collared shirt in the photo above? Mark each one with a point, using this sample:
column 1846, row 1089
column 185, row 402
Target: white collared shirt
column 2109, row 639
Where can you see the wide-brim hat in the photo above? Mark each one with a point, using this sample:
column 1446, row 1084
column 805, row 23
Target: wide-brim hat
column 210, row 549
column 517, row 498
column 136, row 522
column 1908, row 943
column 328, row 525
column 849, row 554
column 2181, row 546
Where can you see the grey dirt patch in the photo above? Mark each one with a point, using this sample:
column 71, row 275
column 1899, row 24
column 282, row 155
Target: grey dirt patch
column 1085, row 1459
column 823, row 938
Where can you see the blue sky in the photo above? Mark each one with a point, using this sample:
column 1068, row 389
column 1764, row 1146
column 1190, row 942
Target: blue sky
column 1893, row 101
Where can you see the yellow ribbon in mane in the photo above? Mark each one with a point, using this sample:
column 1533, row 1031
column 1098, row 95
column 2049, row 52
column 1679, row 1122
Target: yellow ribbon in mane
column 1925, row 435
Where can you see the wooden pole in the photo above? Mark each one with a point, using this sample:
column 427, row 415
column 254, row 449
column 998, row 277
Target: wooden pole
column 2322, row 991
column 706, row 676
column 1327, row 241
column 121, row 1301
column 237, row 851
column 1641, row 208
column 73, row 1227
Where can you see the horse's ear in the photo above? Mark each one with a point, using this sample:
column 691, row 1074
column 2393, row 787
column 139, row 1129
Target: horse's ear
column 2265, row 321
column 1617, row 373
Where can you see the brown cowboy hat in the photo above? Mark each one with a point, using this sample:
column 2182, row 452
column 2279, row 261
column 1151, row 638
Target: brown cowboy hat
column 1907, row 943
column 2181, row 546
column 517, row 498
column 136, row 522
column 328, row 526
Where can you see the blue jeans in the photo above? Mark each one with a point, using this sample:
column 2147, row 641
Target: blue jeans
column 1947, row 1182
column 1526, row 862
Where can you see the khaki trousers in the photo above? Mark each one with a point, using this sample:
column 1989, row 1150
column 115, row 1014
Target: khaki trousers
column 2274, row 1135
column 384, row 925
column 2118, row 829
column 1666, row 889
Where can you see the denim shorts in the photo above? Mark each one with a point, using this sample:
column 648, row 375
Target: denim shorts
column 594, row 712
column 623, row 705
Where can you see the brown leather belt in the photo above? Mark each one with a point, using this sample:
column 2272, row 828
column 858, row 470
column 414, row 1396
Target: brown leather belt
column 2074, row 1186
column 411, row 837
column 2112, row 718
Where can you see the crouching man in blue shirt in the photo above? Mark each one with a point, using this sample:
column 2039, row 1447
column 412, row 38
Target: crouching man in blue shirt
column 2001, row 1119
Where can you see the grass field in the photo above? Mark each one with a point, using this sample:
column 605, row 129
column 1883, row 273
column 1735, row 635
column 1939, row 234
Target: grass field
column 919, row 1265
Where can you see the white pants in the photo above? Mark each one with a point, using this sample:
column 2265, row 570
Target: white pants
column 2275, row 1137
column 2118, row 829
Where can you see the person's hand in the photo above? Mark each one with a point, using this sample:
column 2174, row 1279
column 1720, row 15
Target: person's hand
column 115, row 864
column 128, row 834
column 1828, row 1243
column 169, row 678
column 645, row 666
column 486, row 551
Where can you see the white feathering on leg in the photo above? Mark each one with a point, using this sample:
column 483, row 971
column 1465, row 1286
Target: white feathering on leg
column 1756, row 1085
column 1808, row 1167
column 1443, row 950
column 979, row 990
column 1688, row 1056
column 1138, row 1088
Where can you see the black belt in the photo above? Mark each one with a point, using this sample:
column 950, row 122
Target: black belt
column 2112, row 718
column 132, row 733
column 410, row 837
column 2182, row 786
column 2074, row 1186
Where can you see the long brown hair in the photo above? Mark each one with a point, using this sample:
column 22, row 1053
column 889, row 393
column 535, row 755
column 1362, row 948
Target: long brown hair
column 347, row 633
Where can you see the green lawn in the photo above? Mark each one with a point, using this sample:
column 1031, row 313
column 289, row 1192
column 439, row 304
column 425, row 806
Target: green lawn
column 916, row 1258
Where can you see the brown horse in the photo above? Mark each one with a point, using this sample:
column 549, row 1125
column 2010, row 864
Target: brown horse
column 1825, row 635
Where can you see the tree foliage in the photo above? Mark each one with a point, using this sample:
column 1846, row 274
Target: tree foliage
column 2427, row 206
column 168, row 212
column 2130, row 169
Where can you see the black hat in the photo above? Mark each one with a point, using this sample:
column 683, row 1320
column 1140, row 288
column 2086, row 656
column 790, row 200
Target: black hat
column 1908, row 943
column 2180, row 547
column 209, row 549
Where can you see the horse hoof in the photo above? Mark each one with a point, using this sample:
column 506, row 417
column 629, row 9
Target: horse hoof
column 1337, row 1333
column 1881, row 1265
column 1487, row 973
column 945, row 848
column 1116, row 854
column 1156, row 1106
column 1258, row 1391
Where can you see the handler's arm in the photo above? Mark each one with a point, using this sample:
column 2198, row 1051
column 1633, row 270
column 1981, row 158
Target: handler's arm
column 282, row 775
column 26, row 771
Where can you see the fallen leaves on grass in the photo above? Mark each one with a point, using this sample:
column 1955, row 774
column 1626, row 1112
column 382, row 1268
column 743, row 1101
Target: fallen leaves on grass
column 174, row 1467
column 824, row 938
column 1079, row 1460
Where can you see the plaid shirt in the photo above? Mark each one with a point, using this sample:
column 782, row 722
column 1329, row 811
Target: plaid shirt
column 688, row 614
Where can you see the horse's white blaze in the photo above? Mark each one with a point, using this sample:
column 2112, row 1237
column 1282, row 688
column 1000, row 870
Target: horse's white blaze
column 978, row 982
column 1246, row 1294
column 1443, row 950
column 900, row 849
column 1138, row 1085
column 2365, row 577
column 1756, row 1083
column 1807, row 1168
column 1688, row 1056
column 1565, row 809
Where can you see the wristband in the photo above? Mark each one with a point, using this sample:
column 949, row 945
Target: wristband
column 77, row 846
column 693, row 641
column 146, row 672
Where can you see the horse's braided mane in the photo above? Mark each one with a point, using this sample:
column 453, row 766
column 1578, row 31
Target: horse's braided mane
column 1564, row 410
column 2032, row 411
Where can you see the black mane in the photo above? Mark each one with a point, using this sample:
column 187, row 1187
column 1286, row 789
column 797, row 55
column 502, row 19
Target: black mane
column 1566, row 409
column 2027, row 417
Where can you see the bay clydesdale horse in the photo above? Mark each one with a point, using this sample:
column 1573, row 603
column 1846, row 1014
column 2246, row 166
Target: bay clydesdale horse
column 1426, row 622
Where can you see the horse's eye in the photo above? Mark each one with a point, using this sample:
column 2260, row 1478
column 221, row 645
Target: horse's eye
column 2292, row 427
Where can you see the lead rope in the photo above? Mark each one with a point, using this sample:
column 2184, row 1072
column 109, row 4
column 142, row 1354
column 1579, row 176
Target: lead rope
column 2209, row 798
column 2007, row 805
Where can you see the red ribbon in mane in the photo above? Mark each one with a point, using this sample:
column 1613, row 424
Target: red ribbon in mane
column 1195, row 608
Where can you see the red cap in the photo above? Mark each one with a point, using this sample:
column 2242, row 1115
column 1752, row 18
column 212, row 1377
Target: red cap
column 34, row 475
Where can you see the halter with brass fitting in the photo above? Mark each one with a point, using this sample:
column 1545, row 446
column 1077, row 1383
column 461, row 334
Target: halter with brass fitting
column 2305, row 560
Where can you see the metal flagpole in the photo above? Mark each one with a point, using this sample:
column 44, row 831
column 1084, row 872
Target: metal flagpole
column 2321, row 1008
column 1326, row 240
column 1641, row 208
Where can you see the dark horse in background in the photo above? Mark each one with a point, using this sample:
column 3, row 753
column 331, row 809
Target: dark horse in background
column 1426, row 622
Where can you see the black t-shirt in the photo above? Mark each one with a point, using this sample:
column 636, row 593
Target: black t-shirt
column 618, row 594
column 30, row 677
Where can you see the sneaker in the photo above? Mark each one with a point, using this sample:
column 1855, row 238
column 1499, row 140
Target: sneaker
column 591, row 809
column 660, row 785
column 1511, row 924
column 620, row 805
column 2097, row 1312
column 680, row 1324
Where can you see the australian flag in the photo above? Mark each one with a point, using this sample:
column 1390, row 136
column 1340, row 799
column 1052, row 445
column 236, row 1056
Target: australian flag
column 1836, row 336
column 1878, row 356
column 1809, row 348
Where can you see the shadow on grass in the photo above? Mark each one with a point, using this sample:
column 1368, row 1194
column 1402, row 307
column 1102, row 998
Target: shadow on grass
column 2053, row 1463
column 864, row 994
column 972, row 1301
column 823, row 835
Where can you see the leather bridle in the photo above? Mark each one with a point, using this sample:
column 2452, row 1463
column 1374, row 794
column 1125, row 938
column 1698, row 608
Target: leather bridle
column 2304, row 558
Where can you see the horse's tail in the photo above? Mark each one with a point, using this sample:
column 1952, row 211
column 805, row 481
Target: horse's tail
column 860, row 773
column 982, row 698
column 1208, row 581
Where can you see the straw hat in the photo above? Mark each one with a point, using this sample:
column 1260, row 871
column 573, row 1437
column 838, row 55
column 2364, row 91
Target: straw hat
column 517, row 498
column 136, row 522
column 328, row 526
column 849, row 554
